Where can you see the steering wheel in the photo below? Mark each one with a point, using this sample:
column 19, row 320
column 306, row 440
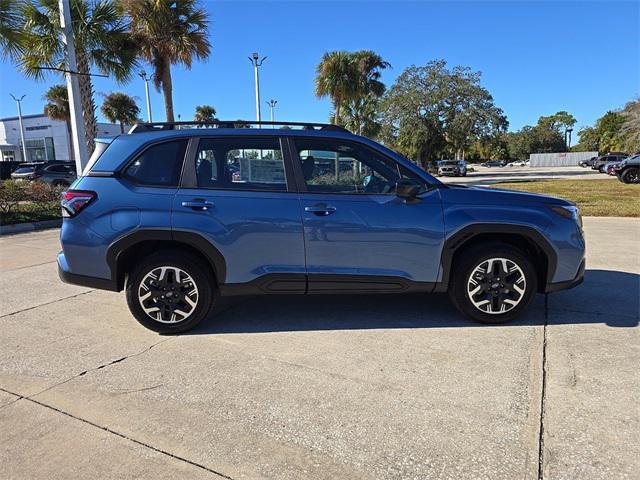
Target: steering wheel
column 373, row 184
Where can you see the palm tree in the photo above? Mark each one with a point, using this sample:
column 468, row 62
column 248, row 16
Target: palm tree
column 120, row 107
column 101, row 40
column 11, row 26
column 337, row 78
column 57, row 108
column 369, row 65
column 204, row 114
column 361, row 116
column 168, row 32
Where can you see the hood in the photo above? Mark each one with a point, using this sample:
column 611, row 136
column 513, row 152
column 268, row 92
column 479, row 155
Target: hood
column 496, row 196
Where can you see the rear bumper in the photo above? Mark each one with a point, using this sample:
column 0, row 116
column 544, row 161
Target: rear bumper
column 83, row 280
column 579, row 278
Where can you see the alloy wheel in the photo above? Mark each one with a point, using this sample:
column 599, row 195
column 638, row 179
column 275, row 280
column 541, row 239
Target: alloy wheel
column 168, row 294
column 496, row 285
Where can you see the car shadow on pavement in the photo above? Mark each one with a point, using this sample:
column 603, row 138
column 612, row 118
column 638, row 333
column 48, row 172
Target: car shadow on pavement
column 607, row 297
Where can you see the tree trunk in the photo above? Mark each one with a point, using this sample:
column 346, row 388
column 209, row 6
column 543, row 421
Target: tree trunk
column 86, row 100
column 336, row 110
column 167, row 90
column 121, row 127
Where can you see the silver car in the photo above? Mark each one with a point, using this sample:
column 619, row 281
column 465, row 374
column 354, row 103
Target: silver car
column 57, row 174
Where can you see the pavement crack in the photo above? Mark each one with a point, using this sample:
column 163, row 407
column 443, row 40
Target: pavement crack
column 121, row 435
column 44, row 304
column 543, row 392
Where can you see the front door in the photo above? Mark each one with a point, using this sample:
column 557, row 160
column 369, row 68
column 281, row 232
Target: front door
column 358, row 234
column 235, row 194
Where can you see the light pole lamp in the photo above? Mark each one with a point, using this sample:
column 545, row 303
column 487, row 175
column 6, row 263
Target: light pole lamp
column 144, row 77
column 24, row 145
column 256, row 61
column 569, row 130
column 272, row 106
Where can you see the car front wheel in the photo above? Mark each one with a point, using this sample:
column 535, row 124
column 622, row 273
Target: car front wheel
column 492, row 284
column 630, row 175
column 169, row 292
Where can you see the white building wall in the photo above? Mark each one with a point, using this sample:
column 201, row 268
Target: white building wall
column 38, row 127
column 564, row 159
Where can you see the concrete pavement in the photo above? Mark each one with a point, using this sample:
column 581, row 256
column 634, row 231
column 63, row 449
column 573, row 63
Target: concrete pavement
column 490, row 175
column 325, row 387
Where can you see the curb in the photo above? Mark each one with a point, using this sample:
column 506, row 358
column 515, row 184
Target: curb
column 29, row 226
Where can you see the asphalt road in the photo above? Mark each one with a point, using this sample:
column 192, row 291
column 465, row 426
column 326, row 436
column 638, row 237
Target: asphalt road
column 486, row 176
column 332, row 387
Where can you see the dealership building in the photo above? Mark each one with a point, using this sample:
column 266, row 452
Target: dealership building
column 45, row 139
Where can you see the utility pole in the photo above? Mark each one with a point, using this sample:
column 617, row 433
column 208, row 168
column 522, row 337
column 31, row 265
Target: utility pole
column 256, row 61
column 24, row 145
column 272, row 105
column 78, row 134
column 144, row 77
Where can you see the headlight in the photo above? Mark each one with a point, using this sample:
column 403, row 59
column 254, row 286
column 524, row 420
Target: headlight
column 569, row 211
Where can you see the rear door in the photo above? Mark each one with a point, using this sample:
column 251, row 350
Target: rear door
column 358, row 234
column 237, row 193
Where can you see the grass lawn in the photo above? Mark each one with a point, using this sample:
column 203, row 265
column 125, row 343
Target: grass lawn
column 31, row 212
column 596, row 198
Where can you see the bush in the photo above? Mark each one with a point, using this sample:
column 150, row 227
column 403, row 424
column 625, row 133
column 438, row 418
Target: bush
column 12, row 192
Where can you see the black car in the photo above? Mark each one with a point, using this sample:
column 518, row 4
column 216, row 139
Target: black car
column 494, row 163
column 587, row 163
column 629, row 170
column 600, row 162
column 58, row 174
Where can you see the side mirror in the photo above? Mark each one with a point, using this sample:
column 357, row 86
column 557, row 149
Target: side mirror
column 407, row 190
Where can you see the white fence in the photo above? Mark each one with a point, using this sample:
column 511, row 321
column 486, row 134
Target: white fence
column 564, row 159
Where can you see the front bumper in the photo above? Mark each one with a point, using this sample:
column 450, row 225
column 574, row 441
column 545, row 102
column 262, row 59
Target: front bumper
column 83, row 280
column 579, row 278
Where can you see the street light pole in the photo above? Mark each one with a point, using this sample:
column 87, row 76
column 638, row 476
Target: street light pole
column 569, row 130
column 256, row 61
column 24, row 145
column 272, row 105
column 78, row 137
column 143, row 75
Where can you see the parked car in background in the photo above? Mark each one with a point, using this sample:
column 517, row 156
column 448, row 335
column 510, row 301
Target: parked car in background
column 58, row 174
column 158, row 215
column 519, row 163
column 494, row 163
column 454, row 168
column 610, row 167
column 600, row 162
column 587, row 163
column 629, row 170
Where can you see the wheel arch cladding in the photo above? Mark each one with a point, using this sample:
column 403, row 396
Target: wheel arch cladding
column 530, row 241
column 124, row 252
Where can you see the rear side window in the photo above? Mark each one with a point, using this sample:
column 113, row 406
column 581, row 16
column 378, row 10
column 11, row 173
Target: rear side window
column 159, row 165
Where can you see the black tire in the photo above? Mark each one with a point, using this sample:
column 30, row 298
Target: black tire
column 601, row 168
column 179, row 288
column 630, row 175
column 465, row 265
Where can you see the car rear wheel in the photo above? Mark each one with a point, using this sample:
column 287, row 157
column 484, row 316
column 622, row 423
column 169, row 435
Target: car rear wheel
column 169, row 292
column 630, row 175
column 492, row 284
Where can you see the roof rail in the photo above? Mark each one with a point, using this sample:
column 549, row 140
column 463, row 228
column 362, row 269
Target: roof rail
column 156, row 126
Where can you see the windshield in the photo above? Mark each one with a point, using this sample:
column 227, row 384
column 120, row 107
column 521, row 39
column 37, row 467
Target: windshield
column 24, row 169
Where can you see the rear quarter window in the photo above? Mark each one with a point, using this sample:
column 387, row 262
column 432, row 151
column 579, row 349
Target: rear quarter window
column 158, row 165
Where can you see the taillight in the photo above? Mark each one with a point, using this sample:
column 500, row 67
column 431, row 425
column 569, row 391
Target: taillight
column 74, row 201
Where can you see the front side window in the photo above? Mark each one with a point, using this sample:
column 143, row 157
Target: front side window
column 159, row 165
column 240, row 164
column 334, row 167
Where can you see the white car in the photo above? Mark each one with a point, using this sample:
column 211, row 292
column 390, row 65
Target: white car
column 519, row 163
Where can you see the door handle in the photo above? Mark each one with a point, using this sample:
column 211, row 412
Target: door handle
column 320, row 210
column 198, row 204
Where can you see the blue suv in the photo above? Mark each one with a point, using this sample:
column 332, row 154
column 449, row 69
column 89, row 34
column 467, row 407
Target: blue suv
column 179, row 216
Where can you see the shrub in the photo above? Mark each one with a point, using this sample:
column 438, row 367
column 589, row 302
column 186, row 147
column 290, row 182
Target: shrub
column 12, row 192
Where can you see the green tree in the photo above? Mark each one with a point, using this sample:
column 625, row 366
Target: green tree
column 631, row 126
column 431, row 110
column 11, row 27
column 168, row 32
column 57, row 108
column 337, row 78
column 204, row 113
column 101, row 40
column 361, row 116
column 120, row 107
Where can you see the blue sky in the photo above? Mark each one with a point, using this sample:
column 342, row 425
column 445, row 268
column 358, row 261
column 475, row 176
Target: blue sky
column 535, row 57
